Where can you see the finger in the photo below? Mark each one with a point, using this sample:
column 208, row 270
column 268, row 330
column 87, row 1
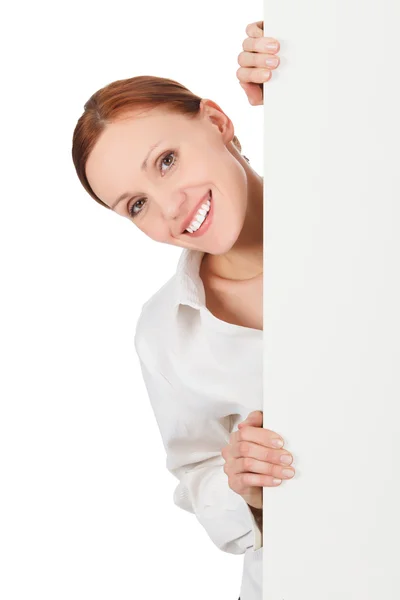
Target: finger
column 253, row 75
column 255, row 419
column 258, row 435
column 255, row 59
column 243, row 481
column 255, row 30
column 255, row 95
column 248, row 449
column 251, row 465
column 263, row 45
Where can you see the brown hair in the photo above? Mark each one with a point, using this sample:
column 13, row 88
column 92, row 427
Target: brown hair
column 118, row 98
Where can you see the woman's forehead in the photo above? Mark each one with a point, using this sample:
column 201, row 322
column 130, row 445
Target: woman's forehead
column 137, row 133
column 150, row 118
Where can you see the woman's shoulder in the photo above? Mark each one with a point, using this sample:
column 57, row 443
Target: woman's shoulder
column 158, row 314
column 153, row 318
column 165, row 299
column 160, row 303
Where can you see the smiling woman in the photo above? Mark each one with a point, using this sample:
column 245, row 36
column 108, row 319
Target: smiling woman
column 170, row 162
column 114, row 101
column 124, row 165
column 155, row 153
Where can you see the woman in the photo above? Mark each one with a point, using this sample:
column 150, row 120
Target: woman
column 168, row 160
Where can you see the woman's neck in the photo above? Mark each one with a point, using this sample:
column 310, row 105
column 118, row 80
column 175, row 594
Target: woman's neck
column 244, row 260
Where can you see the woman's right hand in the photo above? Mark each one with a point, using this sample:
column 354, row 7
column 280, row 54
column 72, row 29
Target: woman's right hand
column 253, row 460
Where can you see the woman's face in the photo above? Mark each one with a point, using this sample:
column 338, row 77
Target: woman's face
column 158, row 168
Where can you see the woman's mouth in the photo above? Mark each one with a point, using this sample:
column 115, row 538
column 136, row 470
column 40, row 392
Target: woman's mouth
column 202, row 219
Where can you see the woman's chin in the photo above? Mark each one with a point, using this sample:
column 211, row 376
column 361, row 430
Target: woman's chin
column 213, row 241
column 222, row 245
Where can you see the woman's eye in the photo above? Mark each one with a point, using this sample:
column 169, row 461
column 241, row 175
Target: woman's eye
column 132, row 211
column 168, row 160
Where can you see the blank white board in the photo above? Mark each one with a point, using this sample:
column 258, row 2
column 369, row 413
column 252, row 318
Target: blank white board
column 332, row 299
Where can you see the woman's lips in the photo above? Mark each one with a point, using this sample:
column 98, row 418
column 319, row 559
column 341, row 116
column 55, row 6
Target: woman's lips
column 207, row 221
column 192, row 216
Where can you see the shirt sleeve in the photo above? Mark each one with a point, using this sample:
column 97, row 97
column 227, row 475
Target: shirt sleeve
column 193, row 447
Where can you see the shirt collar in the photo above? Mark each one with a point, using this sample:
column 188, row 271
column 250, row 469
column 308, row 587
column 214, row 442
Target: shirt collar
column 190, row 288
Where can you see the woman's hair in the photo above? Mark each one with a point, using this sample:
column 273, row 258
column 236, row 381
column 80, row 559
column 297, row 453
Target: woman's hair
column 120, row 97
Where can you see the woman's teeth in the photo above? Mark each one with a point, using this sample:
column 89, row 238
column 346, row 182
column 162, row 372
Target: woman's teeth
column 200, row 217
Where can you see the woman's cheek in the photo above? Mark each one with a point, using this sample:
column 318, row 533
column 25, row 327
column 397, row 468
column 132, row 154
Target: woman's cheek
column 152, row 230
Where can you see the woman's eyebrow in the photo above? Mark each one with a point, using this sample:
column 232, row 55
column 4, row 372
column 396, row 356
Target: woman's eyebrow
column 126, row 195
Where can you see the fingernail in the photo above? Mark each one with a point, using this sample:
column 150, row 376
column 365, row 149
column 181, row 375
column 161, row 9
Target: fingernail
column 277, row 443
column 287, row 459
column 272, row 46
column 277, row 481
column 272, row 62
column 287, row 473
column 266, row 75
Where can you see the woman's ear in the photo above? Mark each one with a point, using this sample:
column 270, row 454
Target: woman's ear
column 211, row 110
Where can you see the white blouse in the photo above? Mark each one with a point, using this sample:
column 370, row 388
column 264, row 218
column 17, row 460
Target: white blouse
column 203, row 377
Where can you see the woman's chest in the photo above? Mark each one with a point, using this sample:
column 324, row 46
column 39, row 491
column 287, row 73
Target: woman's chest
column 214, row 369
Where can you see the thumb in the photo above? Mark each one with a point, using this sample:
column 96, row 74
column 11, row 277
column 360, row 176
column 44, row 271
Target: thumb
column 254, row 93
column 254, row 419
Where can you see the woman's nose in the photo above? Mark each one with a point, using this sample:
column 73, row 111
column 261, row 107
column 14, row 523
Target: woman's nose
column 173, row 206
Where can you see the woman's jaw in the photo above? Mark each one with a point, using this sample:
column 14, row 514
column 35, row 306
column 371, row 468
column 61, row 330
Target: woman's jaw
column 235, row 245
column 233, row 230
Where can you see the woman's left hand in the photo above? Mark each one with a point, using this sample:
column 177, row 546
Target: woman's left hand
column 257, row 61
column 255, row 458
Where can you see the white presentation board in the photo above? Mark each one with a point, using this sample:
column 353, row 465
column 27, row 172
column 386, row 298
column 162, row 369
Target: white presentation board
column 332, row 299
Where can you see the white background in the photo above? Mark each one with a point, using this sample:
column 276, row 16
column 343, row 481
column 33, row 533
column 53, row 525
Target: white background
column 331, row 312
column 86, row 509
